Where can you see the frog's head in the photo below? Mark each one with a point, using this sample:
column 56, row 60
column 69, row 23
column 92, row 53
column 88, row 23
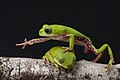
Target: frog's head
column 51, row 30
column 46, row 30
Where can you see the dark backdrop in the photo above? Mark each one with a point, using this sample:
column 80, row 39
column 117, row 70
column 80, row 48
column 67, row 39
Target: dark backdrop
column 100, row 20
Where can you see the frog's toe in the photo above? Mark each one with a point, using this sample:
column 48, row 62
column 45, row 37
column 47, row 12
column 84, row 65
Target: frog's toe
column 109, row 68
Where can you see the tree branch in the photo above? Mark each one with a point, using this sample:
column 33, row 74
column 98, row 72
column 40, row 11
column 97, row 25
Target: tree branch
column 37, row 69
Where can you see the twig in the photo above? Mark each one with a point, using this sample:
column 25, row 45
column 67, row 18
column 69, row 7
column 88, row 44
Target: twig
column 40, row 40
column 33, row 41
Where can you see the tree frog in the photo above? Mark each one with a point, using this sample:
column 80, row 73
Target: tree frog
column 58, row 57
column 68, row 34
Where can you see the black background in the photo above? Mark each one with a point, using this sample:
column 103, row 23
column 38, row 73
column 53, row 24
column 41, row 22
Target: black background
column 100, row 20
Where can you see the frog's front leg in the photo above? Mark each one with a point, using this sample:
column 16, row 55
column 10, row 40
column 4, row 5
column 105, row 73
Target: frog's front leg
column 71, row 42
column 102, row 49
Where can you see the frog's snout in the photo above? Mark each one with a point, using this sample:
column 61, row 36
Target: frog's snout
column 40, row 31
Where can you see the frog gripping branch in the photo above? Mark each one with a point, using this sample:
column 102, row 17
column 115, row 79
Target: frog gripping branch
column 67, row 34
column 74, row 37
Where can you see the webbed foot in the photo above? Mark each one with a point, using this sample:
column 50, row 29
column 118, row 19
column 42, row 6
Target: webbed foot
column 46, row 60
column 109, row 68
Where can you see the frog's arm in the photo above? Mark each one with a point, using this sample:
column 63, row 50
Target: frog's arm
column 71, row 42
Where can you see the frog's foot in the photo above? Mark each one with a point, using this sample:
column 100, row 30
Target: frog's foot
column 68, row 50
column 46, row 60
column 109, row 68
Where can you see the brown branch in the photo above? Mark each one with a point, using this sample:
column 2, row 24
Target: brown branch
column 37, row 69
column 32, row 41
column 40, row 40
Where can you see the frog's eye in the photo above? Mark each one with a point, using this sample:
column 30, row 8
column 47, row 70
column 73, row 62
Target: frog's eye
column 48, row 30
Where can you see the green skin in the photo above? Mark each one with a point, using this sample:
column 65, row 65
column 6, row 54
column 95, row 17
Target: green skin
column 74, row 37
column 58, row 57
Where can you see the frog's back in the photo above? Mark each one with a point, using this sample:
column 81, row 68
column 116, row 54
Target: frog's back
column 61, row 29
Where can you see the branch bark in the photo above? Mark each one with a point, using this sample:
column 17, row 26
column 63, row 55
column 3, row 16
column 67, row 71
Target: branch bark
column 37, row 69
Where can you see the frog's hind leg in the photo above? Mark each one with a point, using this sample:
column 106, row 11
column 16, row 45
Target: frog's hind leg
column 102, row 49
column 46, row 60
